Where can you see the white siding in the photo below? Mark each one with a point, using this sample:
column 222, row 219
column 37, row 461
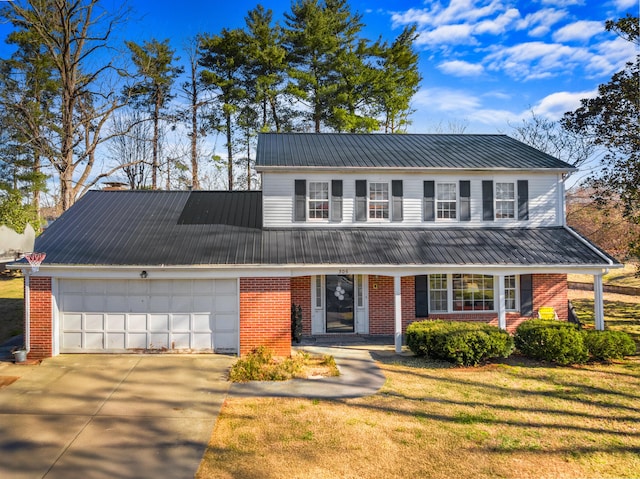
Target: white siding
column 545, row 207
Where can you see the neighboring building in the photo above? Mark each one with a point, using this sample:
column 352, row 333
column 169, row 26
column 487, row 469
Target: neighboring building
column 366, row 233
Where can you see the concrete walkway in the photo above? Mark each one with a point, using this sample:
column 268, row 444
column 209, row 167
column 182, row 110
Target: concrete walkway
column 359, row 376
column 110, row 416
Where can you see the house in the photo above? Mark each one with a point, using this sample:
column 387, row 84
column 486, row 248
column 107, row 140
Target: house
column 367, row 233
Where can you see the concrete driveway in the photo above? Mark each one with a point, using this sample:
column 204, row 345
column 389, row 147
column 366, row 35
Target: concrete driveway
column 110, row 416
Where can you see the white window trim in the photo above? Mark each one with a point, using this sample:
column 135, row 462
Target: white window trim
column 436, row 201
column 450, row 310
column 388, row 201
column 318, row 220
column 495, row 201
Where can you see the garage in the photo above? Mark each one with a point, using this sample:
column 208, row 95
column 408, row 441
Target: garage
column 103, row 316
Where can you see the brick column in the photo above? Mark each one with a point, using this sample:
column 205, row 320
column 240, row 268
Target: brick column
column 265, row 314
column 40, row 312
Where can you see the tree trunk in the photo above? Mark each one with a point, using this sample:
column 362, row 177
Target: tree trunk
column 229, row 152
column 195, row 182
column 156, row 166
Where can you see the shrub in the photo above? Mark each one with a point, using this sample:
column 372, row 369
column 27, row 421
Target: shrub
column 607, row 345
column 465, row 344
column 296, row 323
column 549, row 340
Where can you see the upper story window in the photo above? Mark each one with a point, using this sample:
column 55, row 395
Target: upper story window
column 505, row 201
column 446, row 200
column 319, row 200
column 378, row 200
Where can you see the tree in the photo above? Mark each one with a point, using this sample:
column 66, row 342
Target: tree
column 314, row 35
column 612, row 120
column 131, row 147
column 70, row 35
column 223, row 60
column 266, row 68
column 155, row 74
column 550, row 136
column 401, row 80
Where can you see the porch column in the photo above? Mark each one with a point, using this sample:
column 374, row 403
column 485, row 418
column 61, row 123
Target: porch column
column 502, row 315
column 598, row 304
column 398, row 313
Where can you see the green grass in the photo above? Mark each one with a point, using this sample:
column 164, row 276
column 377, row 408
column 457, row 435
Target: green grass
column 11, row 307
column 618, row 316
column 626, row 276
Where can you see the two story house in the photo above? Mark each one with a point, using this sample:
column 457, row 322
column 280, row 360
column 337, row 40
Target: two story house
column 366, row 233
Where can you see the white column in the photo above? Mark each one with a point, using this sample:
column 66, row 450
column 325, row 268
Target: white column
column 502, row 315
column 398, row 313
column 598, row 304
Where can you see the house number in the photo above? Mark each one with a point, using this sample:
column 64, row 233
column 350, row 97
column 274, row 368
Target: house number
column 343, row 271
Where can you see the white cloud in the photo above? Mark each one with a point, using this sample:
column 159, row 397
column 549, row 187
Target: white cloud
column 461, row 68
column 535, row 60
column 553, row 106
column 562, row 3
column 581, row 30
column 447, row 34
column 499, row 24
column 625, row 4
column 539, row 23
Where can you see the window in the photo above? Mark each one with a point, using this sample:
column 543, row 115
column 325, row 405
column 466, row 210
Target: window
column 359, row 291
column 446, row 200
column 505, row 201
column 510, row 289
column 438, row 293
column 472, row 292
column 319, row 291
column 319, row 200
column 379, row 200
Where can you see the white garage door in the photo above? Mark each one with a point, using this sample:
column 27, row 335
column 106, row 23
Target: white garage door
column 125, row 315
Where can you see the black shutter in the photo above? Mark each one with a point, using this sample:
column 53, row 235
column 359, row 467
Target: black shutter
column 361, row 200
column 523, row 199
column 465, row 200
column 300, row 207
column 422, row 296
column 526, row 295
column 487, row 200
column 396, row 204
column 428, row 201
column 336, row 200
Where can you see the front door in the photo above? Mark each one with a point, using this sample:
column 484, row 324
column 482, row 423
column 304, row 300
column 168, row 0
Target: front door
column 339, row 303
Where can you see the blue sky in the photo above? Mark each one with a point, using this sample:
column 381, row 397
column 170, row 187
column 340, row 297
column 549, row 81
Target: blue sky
column 485, row 64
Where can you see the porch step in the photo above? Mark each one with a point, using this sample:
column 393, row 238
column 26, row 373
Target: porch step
column 345, row 339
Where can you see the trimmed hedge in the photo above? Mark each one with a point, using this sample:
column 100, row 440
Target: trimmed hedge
column 461, row 343
column 549, row 340
column 607, row 345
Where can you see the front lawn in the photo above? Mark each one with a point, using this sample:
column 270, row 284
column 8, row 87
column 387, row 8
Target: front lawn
column 11, row 307
column 518, row 419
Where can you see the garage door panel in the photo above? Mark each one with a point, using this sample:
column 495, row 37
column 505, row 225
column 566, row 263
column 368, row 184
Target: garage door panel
column 94, row 341
column 116, row 341
column 136, row 340
column 116, row 315
column 94, row 322
column 180, row 322
column 116, row 322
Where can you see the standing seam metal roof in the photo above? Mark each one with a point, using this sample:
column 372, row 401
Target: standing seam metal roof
column 343, row 150
column 148, row 228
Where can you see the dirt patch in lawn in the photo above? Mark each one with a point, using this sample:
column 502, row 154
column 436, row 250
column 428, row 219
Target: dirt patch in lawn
column 7, row 380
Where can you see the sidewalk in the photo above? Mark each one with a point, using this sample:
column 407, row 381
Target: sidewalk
column 359, row 376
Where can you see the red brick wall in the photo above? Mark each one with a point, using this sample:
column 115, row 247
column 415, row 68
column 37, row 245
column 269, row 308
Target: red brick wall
column 41, row 327
column 265, row 314
column 550, row 290
column 301, row 296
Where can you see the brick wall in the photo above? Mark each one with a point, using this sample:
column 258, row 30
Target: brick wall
column 41, row 327
column 301, row 296
column 548, row 290
column 265, row 314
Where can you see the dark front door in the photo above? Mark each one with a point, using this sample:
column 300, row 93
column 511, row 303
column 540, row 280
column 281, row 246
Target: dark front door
column 339, row 304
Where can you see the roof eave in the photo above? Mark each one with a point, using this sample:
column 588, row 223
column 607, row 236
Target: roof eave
column 391, row 169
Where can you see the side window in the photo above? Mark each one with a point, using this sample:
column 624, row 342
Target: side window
column 510, row 289
column 378, row 200
column 446, row 196
column 438, row 293
column 505, row 201
column 318, row 200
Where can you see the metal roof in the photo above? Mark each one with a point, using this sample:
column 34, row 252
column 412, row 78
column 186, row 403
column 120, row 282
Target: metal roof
column 152, row 228
column 343, row 150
